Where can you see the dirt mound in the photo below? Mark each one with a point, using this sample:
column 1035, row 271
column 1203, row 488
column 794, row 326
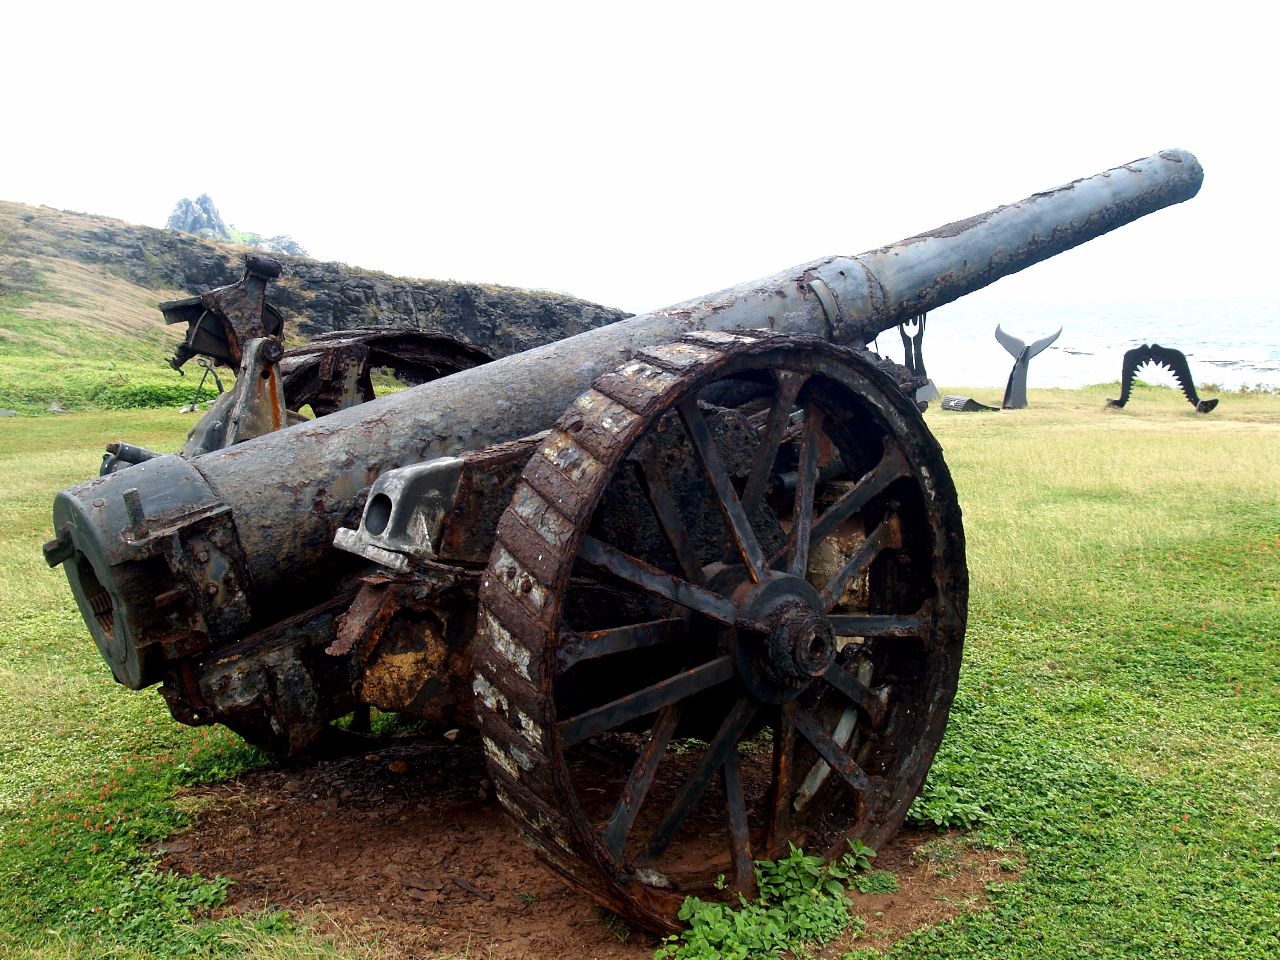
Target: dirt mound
column 405, row 852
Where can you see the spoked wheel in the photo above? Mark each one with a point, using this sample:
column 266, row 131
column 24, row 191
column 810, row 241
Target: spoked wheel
column 724, row 613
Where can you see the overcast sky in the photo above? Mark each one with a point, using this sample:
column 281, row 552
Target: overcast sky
column 639, row 154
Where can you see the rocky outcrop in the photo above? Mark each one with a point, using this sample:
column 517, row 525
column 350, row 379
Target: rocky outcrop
column 315, row 297
column 198, row 217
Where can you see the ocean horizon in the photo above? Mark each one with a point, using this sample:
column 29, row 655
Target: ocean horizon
column 1229, row 343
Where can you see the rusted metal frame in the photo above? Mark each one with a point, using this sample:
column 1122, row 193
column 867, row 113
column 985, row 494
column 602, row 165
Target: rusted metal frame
column 892, row 466
column 718, row 476
column 619, row 824
column 657, row 582
column 806, row 483
column 831, row 752
column 879, row 539
column 876, row 625
column 240, row 306
column 873, row 703
column 652, row 698
column 744, row 874
column 576, row 647
column 669, row 519
column 784, row 748
column 789, row 384
column 725, row 740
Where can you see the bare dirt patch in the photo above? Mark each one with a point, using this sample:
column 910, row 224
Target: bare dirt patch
column 404, row 852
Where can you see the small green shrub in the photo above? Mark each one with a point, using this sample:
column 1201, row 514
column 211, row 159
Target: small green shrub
column 802, row 901
column 945, row 805
column 879, row 881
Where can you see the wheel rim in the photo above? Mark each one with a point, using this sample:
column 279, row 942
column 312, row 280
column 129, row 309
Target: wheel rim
column 316, row 373
column 661, row 706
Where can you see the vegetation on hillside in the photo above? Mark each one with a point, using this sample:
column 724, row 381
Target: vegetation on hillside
column 93, row 370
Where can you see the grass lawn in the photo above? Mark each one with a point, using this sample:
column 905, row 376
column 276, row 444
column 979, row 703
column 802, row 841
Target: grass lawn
column 80, row 366
column 1117, row 726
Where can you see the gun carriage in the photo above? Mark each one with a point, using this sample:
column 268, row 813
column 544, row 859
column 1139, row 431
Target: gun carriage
column 697, row 578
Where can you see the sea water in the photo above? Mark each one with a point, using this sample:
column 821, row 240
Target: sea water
column 1228, row 343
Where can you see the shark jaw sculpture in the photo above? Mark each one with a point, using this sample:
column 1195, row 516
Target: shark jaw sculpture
column 1173, row 360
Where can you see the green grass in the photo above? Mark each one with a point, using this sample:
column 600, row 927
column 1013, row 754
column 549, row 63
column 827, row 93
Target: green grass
column 1117, row 726
column 1119, row 712
column 92, row 370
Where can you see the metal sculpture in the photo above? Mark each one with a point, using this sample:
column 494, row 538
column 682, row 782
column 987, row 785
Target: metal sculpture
column 722, row 525
column 912, row 333
column 959, row 404
column 1172, row 360
column 1015, row 391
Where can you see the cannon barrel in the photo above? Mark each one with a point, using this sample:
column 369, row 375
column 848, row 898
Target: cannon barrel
column 242, row 537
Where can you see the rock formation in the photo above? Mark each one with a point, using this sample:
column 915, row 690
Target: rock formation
column 198, row 217
column 315, row 297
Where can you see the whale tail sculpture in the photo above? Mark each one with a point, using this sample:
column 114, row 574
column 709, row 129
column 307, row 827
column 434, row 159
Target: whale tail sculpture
column 1015, row 392
column 1172, row 360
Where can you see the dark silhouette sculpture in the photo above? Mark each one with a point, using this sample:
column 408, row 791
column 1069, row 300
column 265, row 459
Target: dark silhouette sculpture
column 1173, row 360
column 1015, row 392
column 912, row 344
column 913, row 357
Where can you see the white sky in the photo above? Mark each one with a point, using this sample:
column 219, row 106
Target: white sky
column 639, row 154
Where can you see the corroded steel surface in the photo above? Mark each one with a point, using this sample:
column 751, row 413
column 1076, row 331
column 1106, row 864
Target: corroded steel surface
column 221, row 322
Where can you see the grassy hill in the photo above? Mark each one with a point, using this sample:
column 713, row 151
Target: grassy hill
column 79, row 326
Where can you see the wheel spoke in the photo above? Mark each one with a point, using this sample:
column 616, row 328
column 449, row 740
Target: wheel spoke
column 875, row 625
column 871, row 702
column 657, row 582
column 806, row 482
column 624, row 814
column 648, row 700
column 668, row 515
column 739, row 833
column 784, row 748
column 576, row 647
column 887, row 535
column 713, row 467
column 789, row 384
column 726, row 739
column 832, row 752
column 891, row 467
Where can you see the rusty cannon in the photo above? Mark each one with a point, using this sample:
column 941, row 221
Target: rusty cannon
column 697, row 578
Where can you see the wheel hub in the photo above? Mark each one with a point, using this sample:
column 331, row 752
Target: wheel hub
column 801, row 645
column 782, row 640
